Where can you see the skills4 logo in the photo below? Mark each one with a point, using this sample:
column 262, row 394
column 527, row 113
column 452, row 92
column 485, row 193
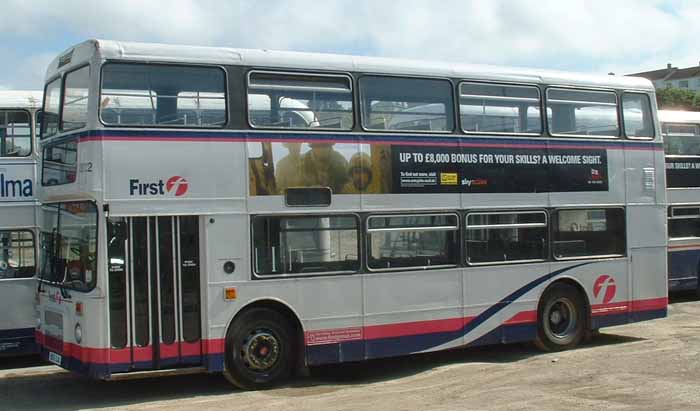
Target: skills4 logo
column 175, row 185
column 605, row 288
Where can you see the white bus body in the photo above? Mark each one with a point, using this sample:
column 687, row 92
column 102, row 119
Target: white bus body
column 231, row 237
column 681, row 132
column 19, row 224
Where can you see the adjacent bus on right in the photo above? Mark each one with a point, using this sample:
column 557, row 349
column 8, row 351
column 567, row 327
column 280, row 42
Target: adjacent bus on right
column 681, row 133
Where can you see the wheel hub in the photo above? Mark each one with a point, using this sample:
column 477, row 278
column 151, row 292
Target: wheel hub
column 555, row 318
column 260, row 351
column 561, row 320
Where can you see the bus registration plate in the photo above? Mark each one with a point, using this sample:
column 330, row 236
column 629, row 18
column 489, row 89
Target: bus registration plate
column 55, row 358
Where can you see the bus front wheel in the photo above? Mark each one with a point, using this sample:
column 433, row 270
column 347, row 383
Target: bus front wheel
column 259, row 349
column 561, row 318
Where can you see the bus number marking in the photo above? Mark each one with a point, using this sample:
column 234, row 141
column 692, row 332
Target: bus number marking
column 55, row 358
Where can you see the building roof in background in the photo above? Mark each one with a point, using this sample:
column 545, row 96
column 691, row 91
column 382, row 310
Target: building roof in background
column 655, row 74
column 685, row 73
column 669, row 73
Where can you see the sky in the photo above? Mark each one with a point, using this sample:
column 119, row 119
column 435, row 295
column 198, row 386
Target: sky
column 593, row 36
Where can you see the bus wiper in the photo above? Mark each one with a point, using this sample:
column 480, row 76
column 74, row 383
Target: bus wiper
column 39, row 280
column 64, row 291
column 62, row 284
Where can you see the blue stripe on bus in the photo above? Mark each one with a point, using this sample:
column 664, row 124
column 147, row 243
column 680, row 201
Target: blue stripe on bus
column 214, row 363
column 403, row 345
column 611, row 320
column 425, row 139
column 392, row 347
column 506, row 333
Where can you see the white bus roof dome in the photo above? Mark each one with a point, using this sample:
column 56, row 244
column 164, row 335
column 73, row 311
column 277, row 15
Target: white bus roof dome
column 679, row 116
column 262, row 102
column 101, row 50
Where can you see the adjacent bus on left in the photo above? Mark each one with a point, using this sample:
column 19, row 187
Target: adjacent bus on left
column 19, row 211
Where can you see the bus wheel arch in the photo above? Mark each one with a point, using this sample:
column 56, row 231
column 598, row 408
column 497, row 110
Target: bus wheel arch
column 563, row 316
column 264, row 345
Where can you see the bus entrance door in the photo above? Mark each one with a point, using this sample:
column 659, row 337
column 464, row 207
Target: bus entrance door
column 161, row 310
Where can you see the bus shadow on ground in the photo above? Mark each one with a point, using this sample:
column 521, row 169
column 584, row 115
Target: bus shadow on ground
column 10, row 363
column 71, row 392
column 683, row 297
column 400, row 367
column 67, row 391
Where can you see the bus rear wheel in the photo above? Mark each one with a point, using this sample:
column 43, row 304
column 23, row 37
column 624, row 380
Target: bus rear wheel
column 259, row 349
column 561, row 318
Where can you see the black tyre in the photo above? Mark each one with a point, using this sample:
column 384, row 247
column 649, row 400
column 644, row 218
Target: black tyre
column 259, row 349
column 561, row 318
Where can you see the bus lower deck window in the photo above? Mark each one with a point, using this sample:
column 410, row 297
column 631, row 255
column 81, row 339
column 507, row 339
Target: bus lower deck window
column 589, row 232
column 17, row 254
column 425, row 241
column 684, row 222
column 305, row 245
column 506, row 237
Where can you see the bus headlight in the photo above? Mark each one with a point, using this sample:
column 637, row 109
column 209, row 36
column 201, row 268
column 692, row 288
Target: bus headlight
column 78, row 333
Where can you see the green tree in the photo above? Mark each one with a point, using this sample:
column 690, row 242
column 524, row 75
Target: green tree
column 673, row 98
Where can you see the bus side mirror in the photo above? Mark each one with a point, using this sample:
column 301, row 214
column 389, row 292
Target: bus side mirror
column 39, row 122
column 122, row 230
column 119, row 230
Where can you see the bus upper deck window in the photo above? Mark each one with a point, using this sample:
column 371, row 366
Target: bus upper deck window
column 499, row 108
column 636, row 111
column 52, row 101
column 163, row 95
column 75, row 99
column 406, row 104
column 15, row 133
column 573, row 112
column 299, row 101
column 681, row 139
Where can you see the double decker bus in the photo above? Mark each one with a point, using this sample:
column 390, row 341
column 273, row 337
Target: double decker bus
column 19, row 225
column 252, row 212
column 681, row 133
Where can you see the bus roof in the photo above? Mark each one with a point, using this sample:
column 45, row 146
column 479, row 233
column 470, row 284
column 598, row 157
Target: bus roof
column 152, row 52
column 20, row 99
column 678, row 116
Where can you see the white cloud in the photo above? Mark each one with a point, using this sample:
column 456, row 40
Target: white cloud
column 596, row 35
